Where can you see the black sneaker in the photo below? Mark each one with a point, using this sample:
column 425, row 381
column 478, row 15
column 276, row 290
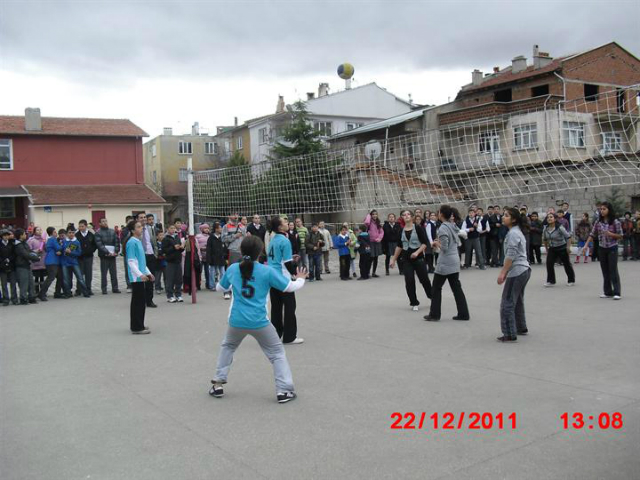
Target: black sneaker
column 285, row 397
column 523, row 332
column 460, row 318
column 507, row 339
column 429, row 318
column 216, row 390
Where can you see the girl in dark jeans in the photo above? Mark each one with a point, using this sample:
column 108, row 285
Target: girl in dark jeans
column 608, row 231
column 555, row 238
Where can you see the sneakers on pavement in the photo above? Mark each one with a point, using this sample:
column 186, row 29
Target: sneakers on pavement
column 180, row 300
column 216, row 389
column 297, row 341
column 415, row 308
column 172, row 300
column 284, row 397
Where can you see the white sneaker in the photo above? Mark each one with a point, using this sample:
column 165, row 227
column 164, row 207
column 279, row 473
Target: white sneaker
column 227, row 296
column 179, row 300
column 415, row 308
column 571, row 284
column 605, row 296
column 617, row 297
column 547, row 284
column 172, row 300
column 297, row 341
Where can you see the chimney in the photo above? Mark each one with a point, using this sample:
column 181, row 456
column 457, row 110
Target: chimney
column 280, row 106
column 496, row 69
column 32, row 119
column 310, row 95
column 518, row 64
column 323, row 90
column 235, row 121
column 476, row 77
column 167, row 131
column 195, row 128
column 410, row 100
column 540, row 59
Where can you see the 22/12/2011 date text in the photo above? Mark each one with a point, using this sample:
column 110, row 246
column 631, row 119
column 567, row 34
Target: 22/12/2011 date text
column 453, row 421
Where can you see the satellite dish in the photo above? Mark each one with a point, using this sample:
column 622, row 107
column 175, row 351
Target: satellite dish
column 346, row 71
column 372, row 150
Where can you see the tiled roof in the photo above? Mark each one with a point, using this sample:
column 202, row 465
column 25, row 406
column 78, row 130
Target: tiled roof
column 93, row 195
column 100, row 127
column 507, row 76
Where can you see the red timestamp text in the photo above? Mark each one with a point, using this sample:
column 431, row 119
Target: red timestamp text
column 601, row 421
column 453, row 421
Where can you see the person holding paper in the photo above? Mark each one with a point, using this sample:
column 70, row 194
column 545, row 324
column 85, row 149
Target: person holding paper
column 108, row 245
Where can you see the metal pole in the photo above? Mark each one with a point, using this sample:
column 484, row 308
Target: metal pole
column 192, row 242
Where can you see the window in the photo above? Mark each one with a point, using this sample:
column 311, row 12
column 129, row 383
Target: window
column 182, row 175
column 227, row 146
column 573, row 134
column 7, row 207
column 184, row 148
column 209, row 148
column 489, row 142
column 353, row 125
column 239, row 143
column 611, row 142
column 540, row 91
column 410, row 149
column 590, row 92
column 153, row 150
column 155, row 177
column 323, row 128
column 448, row 164
column 6, row 155
column 525, row 136
column 502, row 95
column 263, row 136
column 620, row 100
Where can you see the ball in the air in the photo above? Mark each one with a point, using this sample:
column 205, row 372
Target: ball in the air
column 346, row 71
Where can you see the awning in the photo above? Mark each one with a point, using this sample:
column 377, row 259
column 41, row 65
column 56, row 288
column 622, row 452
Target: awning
column 13, row 192
column 52, row 195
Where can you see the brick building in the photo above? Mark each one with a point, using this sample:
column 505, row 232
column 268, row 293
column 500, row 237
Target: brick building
column 59, row 170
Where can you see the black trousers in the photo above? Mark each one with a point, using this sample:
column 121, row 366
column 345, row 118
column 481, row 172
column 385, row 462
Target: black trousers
column 138, row 305
column 38, row 278
column 419, row 268
column 561, row 254
column 52, row 273
column 108, row 265
column 86, row 269
column 596, row 249
column 345, row 263
column 365, row 265
column 286, row 327
column 458, row 294
column 152, row 265
column 59, row 289
column 535, row 253
column 609, row 266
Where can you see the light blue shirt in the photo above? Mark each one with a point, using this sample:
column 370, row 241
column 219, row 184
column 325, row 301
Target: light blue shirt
column 136, row 260
column 249, row 302
column 280, row 252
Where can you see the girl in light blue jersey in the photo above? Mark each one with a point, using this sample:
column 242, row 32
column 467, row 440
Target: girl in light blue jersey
column 250, row 283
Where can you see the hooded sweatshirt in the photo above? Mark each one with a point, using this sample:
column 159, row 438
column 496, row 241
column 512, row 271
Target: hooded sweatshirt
column 37, row 244
column 201, row 241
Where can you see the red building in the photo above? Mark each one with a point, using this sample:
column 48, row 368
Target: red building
column 95, row 165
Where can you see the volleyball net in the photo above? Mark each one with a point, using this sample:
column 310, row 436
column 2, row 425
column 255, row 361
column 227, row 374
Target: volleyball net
column 540, row 145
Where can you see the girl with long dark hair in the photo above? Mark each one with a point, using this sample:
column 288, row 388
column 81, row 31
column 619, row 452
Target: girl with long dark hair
column 413, row 243
column 376, row 234
column 448, row 267
column 555, row 238
column 138, row 273
column 251, row 282
column 515, row 275
column 608, row 231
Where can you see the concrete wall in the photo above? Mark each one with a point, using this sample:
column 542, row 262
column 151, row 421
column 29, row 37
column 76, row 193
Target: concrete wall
column 59, row 217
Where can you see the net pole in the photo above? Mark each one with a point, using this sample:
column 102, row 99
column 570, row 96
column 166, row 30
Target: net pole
column 192, row 242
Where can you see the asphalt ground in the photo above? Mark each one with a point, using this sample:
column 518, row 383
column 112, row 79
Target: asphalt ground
column 81, row 397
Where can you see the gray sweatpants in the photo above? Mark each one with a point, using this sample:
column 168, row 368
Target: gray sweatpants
column 272, row 347
column 27, row 285
column 512, row 318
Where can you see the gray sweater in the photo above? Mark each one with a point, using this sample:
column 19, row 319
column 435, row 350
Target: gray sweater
column 556, row 237
column 448, row 260
column 515, row 248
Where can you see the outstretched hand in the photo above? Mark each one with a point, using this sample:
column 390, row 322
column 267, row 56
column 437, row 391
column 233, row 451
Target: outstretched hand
column 301, row 273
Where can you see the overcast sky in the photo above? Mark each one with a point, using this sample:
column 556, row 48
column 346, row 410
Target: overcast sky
column 165, row 63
